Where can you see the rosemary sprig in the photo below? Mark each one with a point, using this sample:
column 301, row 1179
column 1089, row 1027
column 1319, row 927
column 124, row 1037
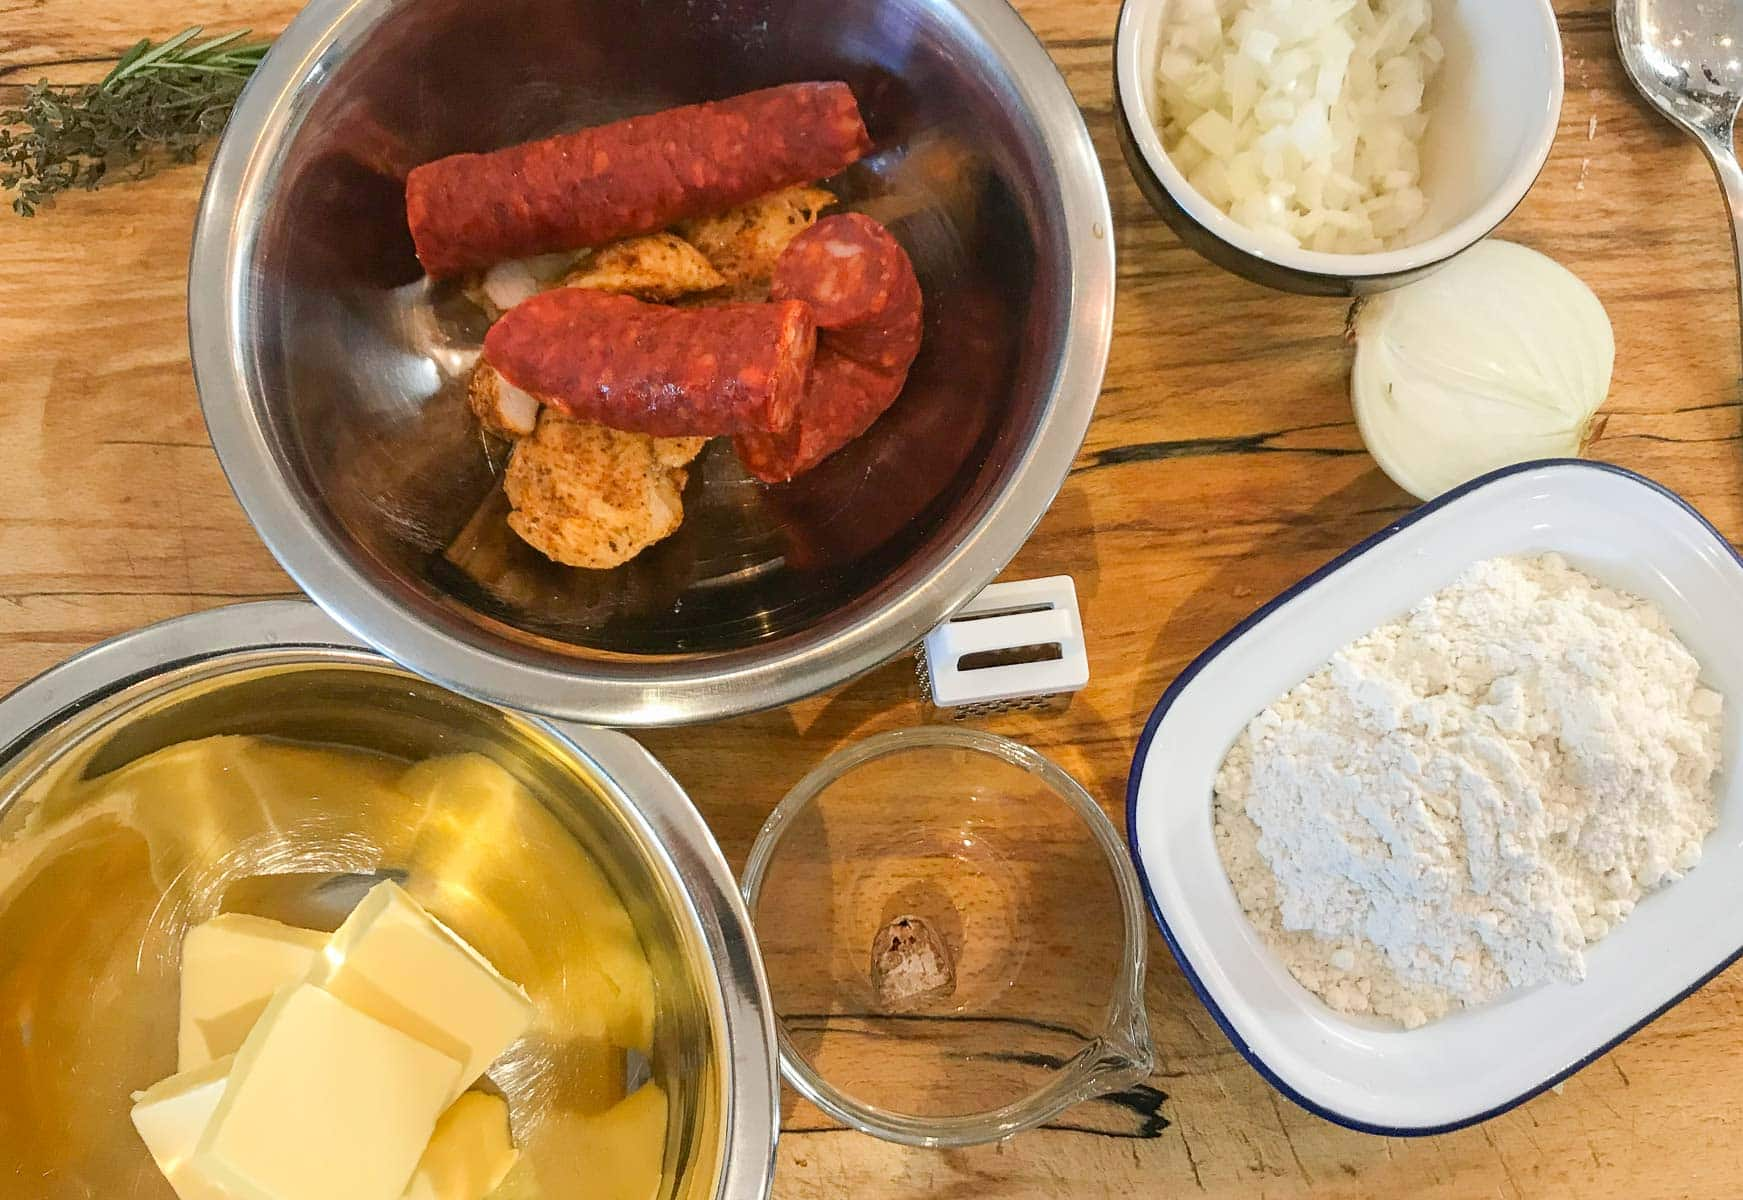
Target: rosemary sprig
column 159, row 105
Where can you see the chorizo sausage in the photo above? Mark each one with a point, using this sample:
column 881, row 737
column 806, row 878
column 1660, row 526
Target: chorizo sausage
column 650, row 368
column 630, row 177
column 861, row 286
column 842, row 398
column 860, row 283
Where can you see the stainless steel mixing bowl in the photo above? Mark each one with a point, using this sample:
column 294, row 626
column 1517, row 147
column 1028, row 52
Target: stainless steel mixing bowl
column 332, row 374
column 94, row 899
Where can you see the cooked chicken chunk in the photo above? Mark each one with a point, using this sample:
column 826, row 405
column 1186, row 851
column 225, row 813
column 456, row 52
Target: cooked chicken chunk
column 500, row 407
column 587, row 496
column 659, row 267
column 678, row 451
column 744, row 242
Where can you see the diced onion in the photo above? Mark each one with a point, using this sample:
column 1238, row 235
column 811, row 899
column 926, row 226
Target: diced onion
column 508, row 283
column 1301, row 119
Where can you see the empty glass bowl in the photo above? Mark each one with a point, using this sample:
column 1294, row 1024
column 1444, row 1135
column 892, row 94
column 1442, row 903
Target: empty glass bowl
column 1005, row 920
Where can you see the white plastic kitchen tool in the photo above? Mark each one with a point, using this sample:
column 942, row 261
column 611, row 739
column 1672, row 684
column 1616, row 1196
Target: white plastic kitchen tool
column 1016, row 646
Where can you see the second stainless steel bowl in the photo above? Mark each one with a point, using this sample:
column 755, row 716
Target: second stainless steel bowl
column 97, row 886
column 332, row 376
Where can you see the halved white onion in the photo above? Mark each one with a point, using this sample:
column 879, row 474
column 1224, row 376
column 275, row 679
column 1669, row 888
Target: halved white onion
column 1499, row 357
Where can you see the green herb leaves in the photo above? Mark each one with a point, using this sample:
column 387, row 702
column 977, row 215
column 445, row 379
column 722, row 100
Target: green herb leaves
column 159, row 105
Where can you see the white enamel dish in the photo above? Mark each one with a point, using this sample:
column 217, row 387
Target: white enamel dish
column 1361, row 1072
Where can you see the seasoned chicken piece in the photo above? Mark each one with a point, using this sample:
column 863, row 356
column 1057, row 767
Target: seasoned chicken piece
column 587, row 496
column 500, row 407
column 678, row 451
column 744, row 242
column 659, row 267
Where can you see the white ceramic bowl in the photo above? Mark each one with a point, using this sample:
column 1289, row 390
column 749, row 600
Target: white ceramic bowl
column 1493, row 109
column 1471, row 1065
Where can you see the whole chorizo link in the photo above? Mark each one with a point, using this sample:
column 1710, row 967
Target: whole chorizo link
column 861, row 286
column 630, row 177
column 648, row 368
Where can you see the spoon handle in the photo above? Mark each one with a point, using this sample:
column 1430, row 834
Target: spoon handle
column 1724, row 159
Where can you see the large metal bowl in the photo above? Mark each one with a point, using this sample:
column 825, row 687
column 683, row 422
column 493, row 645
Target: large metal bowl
column 332, row 374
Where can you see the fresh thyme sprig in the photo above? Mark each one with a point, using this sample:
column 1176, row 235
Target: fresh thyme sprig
column 159, row 105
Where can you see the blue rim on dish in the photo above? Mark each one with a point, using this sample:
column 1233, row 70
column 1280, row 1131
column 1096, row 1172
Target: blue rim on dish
column 1216, row 648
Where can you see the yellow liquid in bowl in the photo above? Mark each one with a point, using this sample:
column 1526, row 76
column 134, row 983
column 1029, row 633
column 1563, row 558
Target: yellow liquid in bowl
column 101, row 877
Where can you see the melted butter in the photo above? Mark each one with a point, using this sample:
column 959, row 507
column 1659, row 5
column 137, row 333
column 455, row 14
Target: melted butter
column 101, row 878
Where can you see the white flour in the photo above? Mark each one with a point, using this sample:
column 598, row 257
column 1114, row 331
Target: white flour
column 1462, row 800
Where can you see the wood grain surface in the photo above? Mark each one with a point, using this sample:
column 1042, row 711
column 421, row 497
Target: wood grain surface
column 1223, row 464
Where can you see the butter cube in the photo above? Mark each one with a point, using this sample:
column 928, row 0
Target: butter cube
column 231, row 966
column 618, row 1154
column 396, row 962
column 470, row 1153
column 171, row 1115
column 324, row 1103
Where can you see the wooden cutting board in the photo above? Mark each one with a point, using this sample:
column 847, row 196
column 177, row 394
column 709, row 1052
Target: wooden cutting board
column 1222, row 466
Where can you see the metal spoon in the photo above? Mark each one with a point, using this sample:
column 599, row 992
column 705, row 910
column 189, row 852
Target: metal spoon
column 1686, row 57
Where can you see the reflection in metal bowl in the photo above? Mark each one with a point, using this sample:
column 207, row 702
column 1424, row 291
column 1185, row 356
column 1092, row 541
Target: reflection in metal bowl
column 332, row 375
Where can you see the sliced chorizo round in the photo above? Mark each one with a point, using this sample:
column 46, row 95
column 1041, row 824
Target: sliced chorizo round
column 861, row 285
